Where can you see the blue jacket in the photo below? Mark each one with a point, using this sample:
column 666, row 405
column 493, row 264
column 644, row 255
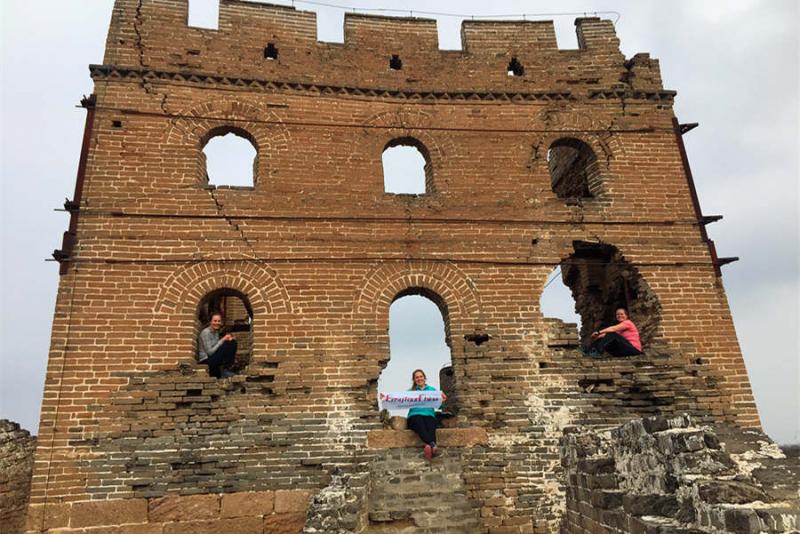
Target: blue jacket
column 422, row 411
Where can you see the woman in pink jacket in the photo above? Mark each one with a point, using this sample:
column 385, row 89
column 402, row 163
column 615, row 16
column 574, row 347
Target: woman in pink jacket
column 621, row 339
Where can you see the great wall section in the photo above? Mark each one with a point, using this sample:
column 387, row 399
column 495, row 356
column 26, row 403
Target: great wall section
column 535, row 157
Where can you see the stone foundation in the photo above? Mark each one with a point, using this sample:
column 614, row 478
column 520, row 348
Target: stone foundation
column 262, row 512
column 660, row 475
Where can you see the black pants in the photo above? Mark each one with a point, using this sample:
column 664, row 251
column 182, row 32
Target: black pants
column 223, row 358
column 615, row 345
column 424, row 426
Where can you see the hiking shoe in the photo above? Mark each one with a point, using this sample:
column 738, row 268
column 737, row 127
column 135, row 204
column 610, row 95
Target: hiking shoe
column 596, row 355
column 428, row 452
column 434, row 450
column 227, row 373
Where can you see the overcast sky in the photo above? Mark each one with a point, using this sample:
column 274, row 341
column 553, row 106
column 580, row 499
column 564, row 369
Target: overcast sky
column 733, row 63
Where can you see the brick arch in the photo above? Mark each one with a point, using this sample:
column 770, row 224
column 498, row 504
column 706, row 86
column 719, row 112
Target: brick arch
column 452, row 285
column 263, row 128
column 408, row 123
column 560, row 122
column 185, row 287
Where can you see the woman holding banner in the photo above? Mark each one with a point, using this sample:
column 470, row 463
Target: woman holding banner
column 423, row 420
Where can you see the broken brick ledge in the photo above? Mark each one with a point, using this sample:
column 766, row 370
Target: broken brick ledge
column 446, row 437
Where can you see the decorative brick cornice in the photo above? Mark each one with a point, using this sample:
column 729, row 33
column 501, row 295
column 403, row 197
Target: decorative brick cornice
column 111, row 72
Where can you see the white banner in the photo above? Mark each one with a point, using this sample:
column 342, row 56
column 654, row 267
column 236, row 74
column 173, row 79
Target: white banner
column 410, row 399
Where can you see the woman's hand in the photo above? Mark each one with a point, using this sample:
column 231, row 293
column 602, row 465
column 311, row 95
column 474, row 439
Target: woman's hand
column 444, row 397
column 227, row 337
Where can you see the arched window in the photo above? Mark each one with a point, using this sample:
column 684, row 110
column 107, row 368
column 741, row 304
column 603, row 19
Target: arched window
column 407, row 167
column 231, row 157
column 574, row 172
column 418, row 339
column 237, row 314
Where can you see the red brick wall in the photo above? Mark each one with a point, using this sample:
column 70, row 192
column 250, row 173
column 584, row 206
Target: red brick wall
column 320, row 251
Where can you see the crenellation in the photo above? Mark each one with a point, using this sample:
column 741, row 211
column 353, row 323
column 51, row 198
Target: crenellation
column 246, row 29
column 526, row 39
column 376, row 33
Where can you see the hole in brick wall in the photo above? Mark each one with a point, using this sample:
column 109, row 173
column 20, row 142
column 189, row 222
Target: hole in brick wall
column 407, row 167
column 395, row 63
column 270, row 52
column 574, row 171
column 601, row 280
column 478, row 339
column 418, row 339
column 231, row 157
column 204, row 14
column 116, row 124
column 237, row 314
column 543, row 365
column 515, row 68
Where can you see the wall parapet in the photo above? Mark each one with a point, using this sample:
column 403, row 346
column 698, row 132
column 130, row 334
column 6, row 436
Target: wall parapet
column 155, row 36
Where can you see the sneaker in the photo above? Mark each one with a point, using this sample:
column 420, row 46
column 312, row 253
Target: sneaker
column 434, row 450
column 226, row 373
column 596, row 355
column 428, row 452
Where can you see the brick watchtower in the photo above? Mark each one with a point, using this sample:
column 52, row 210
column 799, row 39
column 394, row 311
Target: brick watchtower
column 535, row 157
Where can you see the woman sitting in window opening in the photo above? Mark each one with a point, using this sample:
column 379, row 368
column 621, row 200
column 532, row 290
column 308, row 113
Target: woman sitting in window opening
column 218, row 352
column 423, row 420
column 621, row 339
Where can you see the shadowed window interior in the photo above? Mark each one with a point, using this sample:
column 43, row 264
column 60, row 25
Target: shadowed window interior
column 417, row 340
column 574, row 172
column 406, row 167
column 230, row 158
column 237, row 315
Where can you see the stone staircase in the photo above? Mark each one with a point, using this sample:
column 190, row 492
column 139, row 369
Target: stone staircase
column 408, row 494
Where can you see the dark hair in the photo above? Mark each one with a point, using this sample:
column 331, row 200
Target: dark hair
column 211, row 317
column 415, row 371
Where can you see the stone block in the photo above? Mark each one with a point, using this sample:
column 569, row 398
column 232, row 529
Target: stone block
column 256, row 503
column 291, row 501
column 730, row 492
column 48, row 516
column 652, row 504
column 597, row 466
column 239, row 525
column 102, row 513
column 606, row 499
column 286, row 523
column 446, row 437
column 184, row 508
column 742, row 521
